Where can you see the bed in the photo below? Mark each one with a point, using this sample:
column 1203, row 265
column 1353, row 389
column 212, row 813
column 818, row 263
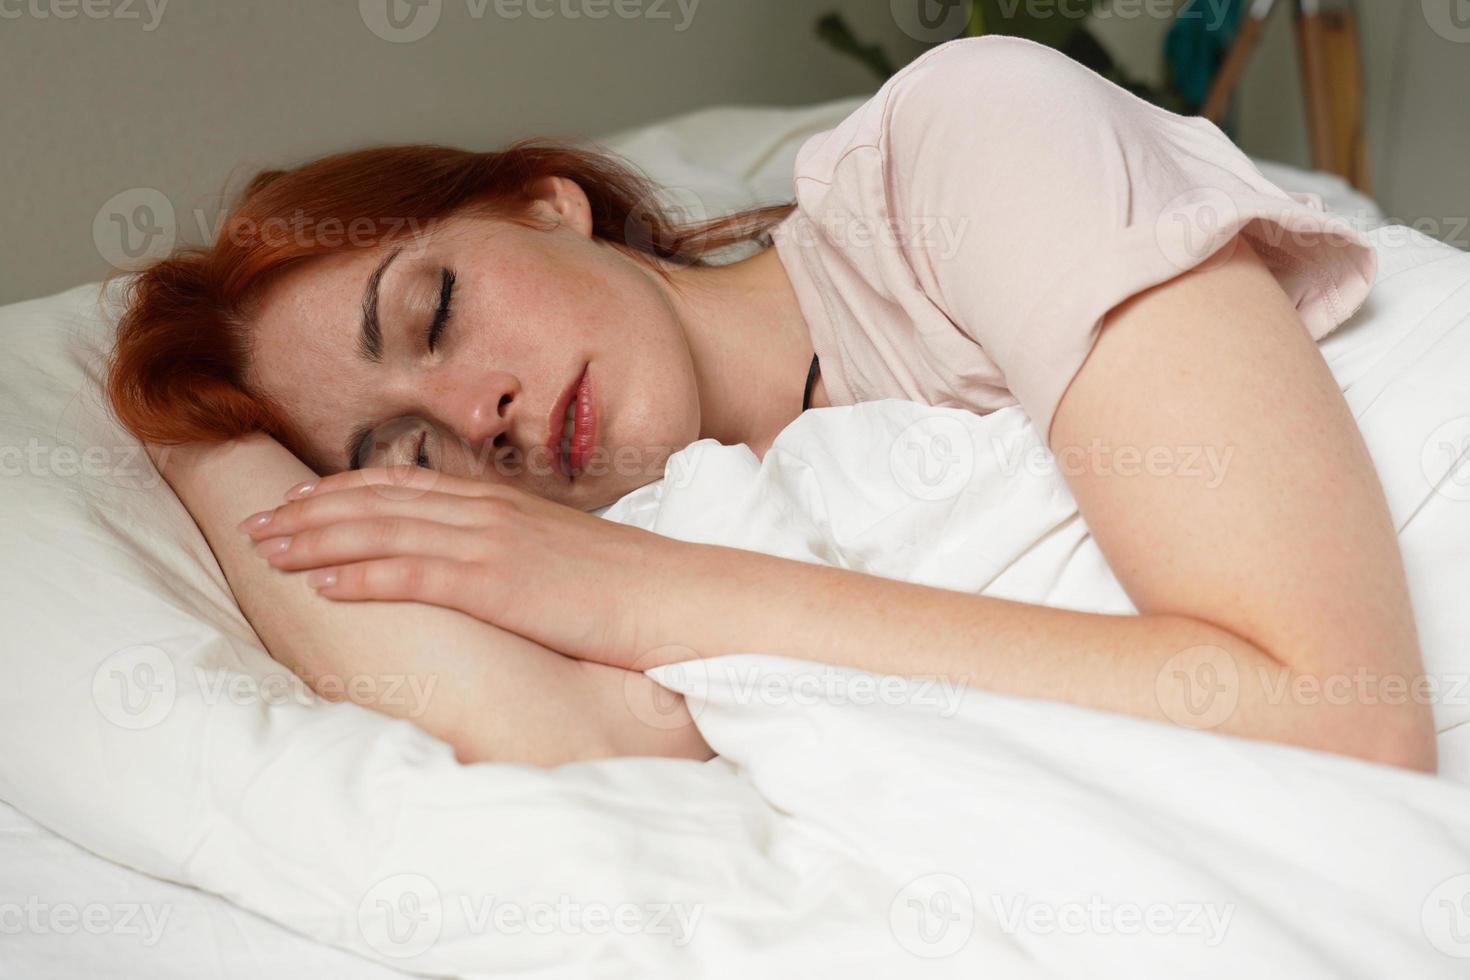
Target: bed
column 851, row 826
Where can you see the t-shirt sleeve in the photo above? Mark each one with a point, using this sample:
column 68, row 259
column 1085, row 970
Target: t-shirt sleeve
column 1033, row 196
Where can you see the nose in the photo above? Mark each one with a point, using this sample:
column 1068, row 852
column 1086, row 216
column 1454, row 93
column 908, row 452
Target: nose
column 483, row 410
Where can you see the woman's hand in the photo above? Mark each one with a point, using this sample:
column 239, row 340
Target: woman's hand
column 492, row 695
column 566, row 579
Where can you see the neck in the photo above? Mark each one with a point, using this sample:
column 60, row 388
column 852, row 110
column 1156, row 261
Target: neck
column 750, row 345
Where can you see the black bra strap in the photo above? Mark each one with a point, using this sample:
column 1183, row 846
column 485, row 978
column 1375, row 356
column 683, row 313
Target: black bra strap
column 811, row 379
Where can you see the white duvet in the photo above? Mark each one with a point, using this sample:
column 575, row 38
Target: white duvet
column 853, row 826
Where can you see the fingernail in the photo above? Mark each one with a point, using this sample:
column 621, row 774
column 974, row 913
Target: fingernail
column 256, row 521
column 273, row 546
column 321, row 578
column 301, row 489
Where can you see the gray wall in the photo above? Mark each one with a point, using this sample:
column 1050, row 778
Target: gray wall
column 193, row 104
column 176, row 111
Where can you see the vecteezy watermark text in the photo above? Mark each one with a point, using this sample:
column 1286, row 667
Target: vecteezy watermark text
column 38, row 917
column 1204, row 920
column 1206, row 463
column 404, row 915
column 149, row 12
column 406, row 21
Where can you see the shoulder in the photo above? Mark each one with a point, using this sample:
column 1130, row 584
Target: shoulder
column 1021, row 119
column 991, row 78
column 981, row 92
column 992, row 55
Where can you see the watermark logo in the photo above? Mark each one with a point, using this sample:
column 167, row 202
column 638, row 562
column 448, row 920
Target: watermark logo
column 400, row 21
column 1445, row 917
column 933, row 916
column 933, row 458
column 1198, row 687
column 932, row 21
column 661, row 212
column 135, row 688
column 1450, row 19
column 1445, row 459
column 135, row 228
column 1189, row 228
column 654, row 704
column 401, row 916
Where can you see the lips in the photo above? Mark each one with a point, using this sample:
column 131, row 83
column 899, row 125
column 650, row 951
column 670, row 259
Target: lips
column 578, row 398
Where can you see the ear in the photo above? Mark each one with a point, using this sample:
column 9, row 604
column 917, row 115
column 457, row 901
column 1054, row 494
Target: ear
column 565, row 198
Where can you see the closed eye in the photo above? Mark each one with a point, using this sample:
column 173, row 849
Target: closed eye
column 367, row 438
column 442, row 314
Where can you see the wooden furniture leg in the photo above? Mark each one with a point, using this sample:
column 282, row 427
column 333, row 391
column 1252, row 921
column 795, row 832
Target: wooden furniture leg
column 1252, row 26
column 1330, row 54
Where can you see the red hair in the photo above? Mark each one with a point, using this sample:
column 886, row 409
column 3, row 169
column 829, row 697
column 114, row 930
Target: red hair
column 178, row 365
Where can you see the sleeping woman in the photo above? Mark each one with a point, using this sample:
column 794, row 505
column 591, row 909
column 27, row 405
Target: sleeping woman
column 393, row 388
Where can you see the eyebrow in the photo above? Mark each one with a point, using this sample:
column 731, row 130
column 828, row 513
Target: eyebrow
column 370, row 342
column 370, row 348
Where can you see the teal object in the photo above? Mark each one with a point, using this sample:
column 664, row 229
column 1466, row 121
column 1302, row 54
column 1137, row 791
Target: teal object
column 1196, row 46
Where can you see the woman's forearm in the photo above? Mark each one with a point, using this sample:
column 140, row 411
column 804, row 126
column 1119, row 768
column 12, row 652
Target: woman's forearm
column 1162, row 667
column 1274, row 603
column 491, row 694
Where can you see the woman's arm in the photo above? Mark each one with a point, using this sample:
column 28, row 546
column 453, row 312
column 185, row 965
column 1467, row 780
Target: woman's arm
column 1272, row 605
column 492, row 695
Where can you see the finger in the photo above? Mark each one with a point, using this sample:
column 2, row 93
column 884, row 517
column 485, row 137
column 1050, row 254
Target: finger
column 390, row 481
column 431, row 580
column 363, row 503
column 383, row 537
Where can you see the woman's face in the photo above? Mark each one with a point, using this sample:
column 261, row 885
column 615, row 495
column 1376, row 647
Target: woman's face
column 462, row 349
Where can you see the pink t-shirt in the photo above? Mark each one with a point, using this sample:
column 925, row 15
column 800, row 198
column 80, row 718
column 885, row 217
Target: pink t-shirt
column 959, row 238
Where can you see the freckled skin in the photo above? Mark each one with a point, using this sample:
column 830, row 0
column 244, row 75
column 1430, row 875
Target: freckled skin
column 530, row 308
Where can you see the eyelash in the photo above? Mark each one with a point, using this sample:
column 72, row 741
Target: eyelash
column 441, row 316
column 435, row 335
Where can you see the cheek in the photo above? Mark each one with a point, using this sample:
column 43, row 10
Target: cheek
column 531, row 316
column 548, row 313
column 295, row 384
column 556, row 303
